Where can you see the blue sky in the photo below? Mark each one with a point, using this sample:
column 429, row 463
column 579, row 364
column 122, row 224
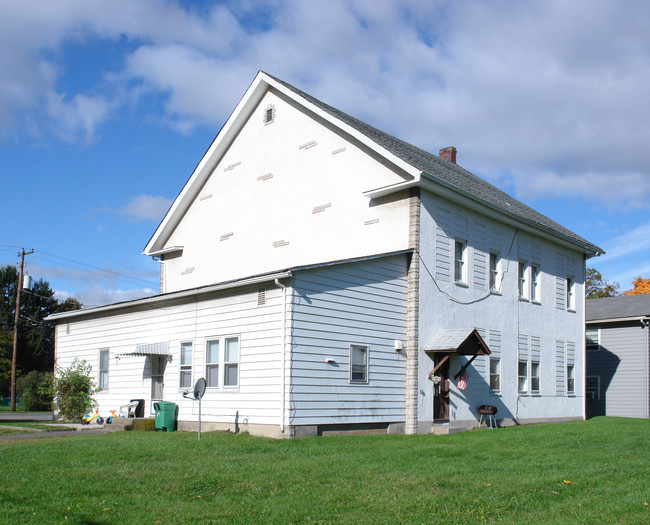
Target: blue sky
column 107, row 107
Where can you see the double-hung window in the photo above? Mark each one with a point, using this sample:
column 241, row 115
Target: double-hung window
column 534, row 283
column 570, row 293
column 358, row 364
column 231, row 362
column 186, row 365
column 523, row 377
column 570, row 380
column 495, row 374
column 212, row 363
column 592, row 338
column 534, row 377
column 460, row 261
column 103, row 369
column 592, row 388
column 495, row 276
column 523, row 280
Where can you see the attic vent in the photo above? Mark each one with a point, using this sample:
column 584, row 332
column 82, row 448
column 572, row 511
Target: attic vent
column 321, row 208
column 204, row 197
column 188, row 270
column 232, row 166
column 278, row 244
column 308, row 145
column 261, row 296
column 266, row 176
column 337, row 151
column 371, row 221
column 226, row 236
column 269, row 114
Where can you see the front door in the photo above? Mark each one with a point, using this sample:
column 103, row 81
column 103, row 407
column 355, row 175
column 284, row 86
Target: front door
column 158, row 364
column 441, row 391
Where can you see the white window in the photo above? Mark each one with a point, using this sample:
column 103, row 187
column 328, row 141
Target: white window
column 523, row 377
column 460, row 261
column 534, row 377
column 523, row 280
column 592, row 335
column 495, row 374
column 231, row 362
column 534, row 283
column 212, row 363
column 358, row 364
column 592, row 388
column 103, row 370
column 186, row 366
column 570, row 294
column 570, row 380
column 495, row 276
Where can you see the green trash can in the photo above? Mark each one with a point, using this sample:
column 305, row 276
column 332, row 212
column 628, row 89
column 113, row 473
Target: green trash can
column 165, row 415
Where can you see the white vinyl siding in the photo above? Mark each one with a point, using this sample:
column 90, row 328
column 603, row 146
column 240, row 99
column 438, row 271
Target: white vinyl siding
column 196, row 319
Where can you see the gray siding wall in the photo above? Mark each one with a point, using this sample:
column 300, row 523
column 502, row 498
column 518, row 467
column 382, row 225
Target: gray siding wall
column 334, row 307
column 622, row 365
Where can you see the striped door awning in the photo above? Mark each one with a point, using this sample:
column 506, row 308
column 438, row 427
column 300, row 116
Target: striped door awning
column 150, row 349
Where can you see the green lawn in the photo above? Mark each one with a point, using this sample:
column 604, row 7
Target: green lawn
column 45, row 427
column 596, row 471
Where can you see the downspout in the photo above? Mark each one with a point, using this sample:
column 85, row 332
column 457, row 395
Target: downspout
column 284, row 352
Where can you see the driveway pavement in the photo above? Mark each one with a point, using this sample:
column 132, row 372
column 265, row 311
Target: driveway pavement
column 26, row 416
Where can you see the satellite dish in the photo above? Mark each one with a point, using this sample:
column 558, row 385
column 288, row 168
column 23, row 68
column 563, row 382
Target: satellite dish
column 199, row 388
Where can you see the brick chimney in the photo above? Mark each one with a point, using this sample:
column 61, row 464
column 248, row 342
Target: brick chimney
column 448, row 153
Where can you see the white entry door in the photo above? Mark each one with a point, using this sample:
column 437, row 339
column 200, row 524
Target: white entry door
column 158, row 364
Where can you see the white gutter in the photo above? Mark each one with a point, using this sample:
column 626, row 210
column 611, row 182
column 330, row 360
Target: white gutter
column 617, row 319
column 284, row 352
column 169, row 296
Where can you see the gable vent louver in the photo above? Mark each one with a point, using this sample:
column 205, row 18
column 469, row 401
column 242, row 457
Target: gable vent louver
column 261, row 296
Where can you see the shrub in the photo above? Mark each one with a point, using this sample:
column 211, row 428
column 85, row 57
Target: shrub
column 35, row 391
column 73, row 391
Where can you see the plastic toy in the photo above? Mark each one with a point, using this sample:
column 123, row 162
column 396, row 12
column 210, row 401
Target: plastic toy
column 87, row 419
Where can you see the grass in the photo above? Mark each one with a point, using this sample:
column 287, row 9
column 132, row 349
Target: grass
column 592, row 471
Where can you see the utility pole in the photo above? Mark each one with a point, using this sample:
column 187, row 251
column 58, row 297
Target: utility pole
column 13, row 359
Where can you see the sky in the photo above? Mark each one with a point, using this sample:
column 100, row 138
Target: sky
column 106, row 107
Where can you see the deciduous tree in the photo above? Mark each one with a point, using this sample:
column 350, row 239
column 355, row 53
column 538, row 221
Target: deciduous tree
column 596, row 286
column 640, row 285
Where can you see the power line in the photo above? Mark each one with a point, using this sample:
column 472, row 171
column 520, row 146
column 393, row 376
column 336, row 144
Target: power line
column 82, row 266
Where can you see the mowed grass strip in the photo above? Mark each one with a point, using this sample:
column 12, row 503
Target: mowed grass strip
column 594, row 471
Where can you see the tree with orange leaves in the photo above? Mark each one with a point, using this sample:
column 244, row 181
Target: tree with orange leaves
column 641, row 285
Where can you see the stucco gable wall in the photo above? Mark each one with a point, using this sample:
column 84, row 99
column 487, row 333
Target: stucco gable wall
column 285, row 194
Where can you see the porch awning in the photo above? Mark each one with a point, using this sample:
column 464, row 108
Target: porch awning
column 150, row 349
column 461, row 342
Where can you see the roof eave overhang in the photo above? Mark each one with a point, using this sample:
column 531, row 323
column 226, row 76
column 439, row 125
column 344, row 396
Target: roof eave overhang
column 441, row 188
column 618, row 319
column 224, row 139
column 158, row 299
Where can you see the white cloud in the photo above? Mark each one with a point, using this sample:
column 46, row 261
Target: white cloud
column 554, row 91
column 633, row 241
column 145, row 208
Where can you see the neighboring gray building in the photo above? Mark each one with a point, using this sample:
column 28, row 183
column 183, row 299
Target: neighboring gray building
column 618, row 356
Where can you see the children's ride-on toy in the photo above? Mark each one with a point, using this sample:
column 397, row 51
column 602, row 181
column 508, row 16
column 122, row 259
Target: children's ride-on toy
column 87, row 419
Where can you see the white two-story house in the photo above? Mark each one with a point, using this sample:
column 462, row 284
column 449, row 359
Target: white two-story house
column 322, row 275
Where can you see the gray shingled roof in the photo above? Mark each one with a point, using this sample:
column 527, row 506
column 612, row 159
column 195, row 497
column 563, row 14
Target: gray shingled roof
column 620, row 307
column 450, row 174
